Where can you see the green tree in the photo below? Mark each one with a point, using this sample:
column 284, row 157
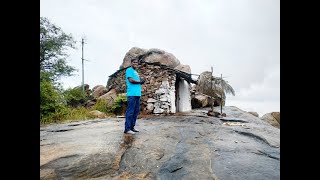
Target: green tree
column 53, row 44
column 53, row 65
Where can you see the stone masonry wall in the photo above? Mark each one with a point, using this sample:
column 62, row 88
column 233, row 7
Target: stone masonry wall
column 158, row 92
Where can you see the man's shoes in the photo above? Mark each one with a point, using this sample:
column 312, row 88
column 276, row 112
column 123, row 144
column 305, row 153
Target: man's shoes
column 130, row 132
column 135, row 130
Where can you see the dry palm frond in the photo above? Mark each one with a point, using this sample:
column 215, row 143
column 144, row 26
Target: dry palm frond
column 224, row 85
column 218, row 88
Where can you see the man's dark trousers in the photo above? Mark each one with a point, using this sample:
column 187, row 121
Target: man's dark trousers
column 132, row 112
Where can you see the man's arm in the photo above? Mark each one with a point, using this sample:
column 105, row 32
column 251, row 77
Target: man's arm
column 135, row 82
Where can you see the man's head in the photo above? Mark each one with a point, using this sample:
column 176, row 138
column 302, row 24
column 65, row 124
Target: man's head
column 134, row 63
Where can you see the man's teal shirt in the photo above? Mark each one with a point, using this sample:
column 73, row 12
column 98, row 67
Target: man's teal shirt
column 133, row 89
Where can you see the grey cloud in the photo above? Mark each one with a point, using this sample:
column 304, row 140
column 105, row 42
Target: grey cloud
column 240, row 39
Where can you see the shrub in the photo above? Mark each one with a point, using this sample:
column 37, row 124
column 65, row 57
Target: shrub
column 50, row 99
column 119, row 104
column 74, row 97
column 101, row 105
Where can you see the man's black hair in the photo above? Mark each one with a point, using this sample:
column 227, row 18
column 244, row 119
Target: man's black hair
column 135, row 59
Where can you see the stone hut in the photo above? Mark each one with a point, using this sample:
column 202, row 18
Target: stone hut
column 168, row 83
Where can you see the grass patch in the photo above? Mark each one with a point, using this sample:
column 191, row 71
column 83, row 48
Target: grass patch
column 69, row 114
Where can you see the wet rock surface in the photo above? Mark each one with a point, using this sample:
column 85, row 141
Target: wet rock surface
column 184, row 146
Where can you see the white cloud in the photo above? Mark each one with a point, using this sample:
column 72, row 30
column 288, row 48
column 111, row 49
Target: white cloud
column 262, row 97
column 261, row 107
column 266, row 90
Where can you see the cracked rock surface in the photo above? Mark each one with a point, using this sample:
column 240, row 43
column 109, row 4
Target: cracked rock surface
column 184, row 146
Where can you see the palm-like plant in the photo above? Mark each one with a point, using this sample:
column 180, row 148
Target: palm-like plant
column 224, row 85
column 214, row 86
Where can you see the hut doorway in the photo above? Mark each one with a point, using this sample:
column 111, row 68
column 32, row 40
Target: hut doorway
column 182, row 94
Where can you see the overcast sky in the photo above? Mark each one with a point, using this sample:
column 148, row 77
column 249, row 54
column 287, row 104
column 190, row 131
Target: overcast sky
column 240, row 39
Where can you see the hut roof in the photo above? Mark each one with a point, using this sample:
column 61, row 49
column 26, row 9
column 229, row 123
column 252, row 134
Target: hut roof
column 179, row 73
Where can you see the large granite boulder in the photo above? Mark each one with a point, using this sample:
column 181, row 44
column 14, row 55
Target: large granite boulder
column 154, row 56
column 271, row 119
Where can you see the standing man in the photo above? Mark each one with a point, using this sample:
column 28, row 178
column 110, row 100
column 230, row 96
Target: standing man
column 133, row 82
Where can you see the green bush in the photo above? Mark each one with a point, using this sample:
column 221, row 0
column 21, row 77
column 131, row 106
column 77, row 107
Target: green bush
column 119, row 104
column 101, row 105
column 54, row 101
column 74, row 97
column 50, row 99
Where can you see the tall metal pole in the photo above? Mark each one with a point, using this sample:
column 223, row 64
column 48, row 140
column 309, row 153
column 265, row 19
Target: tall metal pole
column 221, row 94
column 211, row 78
column 82, row 42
